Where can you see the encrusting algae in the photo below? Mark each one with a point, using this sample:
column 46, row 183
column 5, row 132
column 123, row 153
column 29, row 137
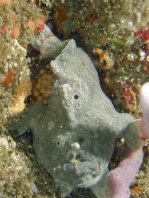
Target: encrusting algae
column 15, row 34
column 20, row 173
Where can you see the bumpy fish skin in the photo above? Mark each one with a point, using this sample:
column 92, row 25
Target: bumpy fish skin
column 74, row 135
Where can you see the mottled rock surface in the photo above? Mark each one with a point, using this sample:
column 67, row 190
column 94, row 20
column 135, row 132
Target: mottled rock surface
column 74, row 135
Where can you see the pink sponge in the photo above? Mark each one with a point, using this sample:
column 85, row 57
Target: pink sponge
column 144, row 105
column 119, row 179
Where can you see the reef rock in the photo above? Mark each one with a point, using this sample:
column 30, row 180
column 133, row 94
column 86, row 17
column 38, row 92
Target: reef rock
column 74, row 135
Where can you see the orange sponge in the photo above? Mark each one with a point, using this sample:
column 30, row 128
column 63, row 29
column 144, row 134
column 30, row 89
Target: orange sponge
column 15, row 31
column 6, row 1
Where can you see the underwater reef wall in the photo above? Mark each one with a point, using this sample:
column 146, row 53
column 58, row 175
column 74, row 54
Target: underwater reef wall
column 114, row 33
